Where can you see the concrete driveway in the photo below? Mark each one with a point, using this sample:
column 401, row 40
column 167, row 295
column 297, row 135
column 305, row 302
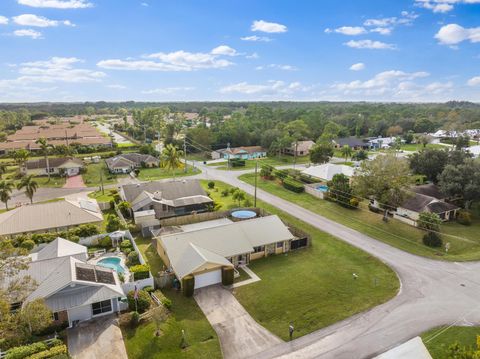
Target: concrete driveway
column 239, row 334
column 100, row 338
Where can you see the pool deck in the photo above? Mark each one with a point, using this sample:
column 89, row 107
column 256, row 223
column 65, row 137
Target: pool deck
column 123, row 262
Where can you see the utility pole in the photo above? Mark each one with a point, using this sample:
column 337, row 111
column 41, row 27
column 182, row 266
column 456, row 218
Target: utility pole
column 101, row 182
column 228, row 155
column 255, row 193
column 295, row 154
column 185, row 151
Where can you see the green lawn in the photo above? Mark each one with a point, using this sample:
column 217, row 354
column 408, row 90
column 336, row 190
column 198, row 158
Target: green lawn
column 272, row 161
column 394, row 232
column 102, row 197
column 302, row 287
column 438, row 340
column 419, row 146
column 150, row 254
column 156, row 173
column 55, row 182
column 202, row 341
column 94, row 173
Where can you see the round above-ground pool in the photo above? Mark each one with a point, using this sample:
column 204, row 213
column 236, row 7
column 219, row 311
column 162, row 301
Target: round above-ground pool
column 112, row 263
column 244, row 214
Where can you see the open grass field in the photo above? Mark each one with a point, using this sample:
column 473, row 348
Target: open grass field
column 156, row 173
column 202, row 341
column 272, row 161
column 438, row 340
column 419, row 146
column 302, row 287
column 464, row 240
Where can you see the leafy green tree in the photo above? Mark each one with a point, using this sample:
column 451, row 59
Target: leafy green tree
column 124, row 207
column 6, row 188
column 429, row 221
column 113, row 223
column 171, row 158
column 339, row 189
column 35, row 316
column 385, row 179
column 429, row 162
column 346, row 152
column 3, row 170
column 360, row 155
column 462, row 181
column 20, row 156
column 238, row 196
column 45, row 148
column 30, row 186
column 321, row 152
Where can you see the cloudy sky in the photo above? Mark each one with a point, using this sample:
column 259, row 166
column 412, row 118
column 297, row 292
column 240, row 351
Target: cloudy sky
column 158, row 50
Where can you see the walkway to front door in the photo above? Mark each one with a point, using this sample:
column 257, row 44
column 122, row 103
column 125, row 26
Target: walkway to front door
column 239, row 334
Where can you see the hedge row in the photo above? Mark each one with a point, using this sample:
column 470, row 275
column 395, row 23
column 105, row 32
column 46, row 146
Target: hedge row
column 293, row 185
column 140, row 271
column 237, row 162
column 28, row 351
column 53, row 352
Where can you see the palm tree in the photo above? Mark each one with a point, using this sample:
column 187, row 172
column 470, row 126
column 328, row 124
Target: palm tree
column 346, row 152
column 30, row 186
column 3, row 170
column 45, row 149
column 6, row 187
column 171, row 158
column 20, row 156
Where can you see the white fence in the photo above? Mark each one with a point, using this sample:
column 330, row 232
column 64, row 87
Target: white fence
column 142, row 283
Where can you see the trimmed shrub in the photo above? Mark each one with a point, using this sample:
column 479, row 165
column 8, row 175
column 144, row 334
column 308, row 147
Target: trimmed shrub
column 167, row 303
column 432, row 239
column 127, row 251
column 134, row 318
column 464, row 217
column 86, row 230
column 225, row 192
column 28, row 244
column 280, row 174
column 293, row 185
column 211, row 185
column 26, row 350
column 143, row 301
column 354, row 202
column 236, row 162
column 105, row 242
column 188, row 285
column 140, row 271
column 132, row 258
column 50, row 353
column 227, row 275
column 148, row 289
column 125, row 244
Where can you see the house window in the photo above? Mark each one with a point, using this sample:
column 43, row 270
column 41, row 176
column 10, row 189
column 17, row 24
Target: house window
column 15, row 307
column 259, row 249
column 279, row 244
column 55, row 316
column 102, row 307
column 164, row 207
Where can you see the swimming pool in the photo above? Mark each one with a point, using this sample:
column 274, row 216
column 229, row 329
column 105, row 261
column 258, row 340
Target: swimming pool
column 322, row 188
column 112, row 263
column 244, row 214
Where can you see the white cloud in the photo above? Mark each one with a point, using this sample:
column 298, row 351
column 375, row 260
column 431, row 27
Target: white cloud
column 28, row 33
column 252, row 56
column 224, row 50
column 270, row 27
column 278, row 67
column 167, row 90
column 358, row 66
column 369, row 44
column 442, row 6
column 382, row 30
column 172, row 61
column 453, row 34
column 348, row 30
column 256, row 38
column 271, row 88
column 38, row 21
column 117, row 87
column 474, row 81
column 56, row 4
column 3, row 20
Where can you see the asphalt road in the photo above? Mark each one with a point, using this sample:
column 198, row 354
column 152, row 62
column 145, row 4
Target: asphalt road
column 433, row 293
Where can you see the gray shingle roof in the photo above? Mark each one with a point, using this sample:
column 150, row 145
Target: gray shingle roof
column 52, row 162
column 169, row 190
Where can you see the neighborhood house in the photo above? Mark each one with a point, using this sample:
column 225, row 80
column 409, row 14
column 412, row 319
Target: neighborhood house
column 73, row 290
column 242, row 153
column 300, row 148
column 326, row 171
column 204, row 248
column 127, row 162
column 166, row 199
column 353, row 142
column 56, row 166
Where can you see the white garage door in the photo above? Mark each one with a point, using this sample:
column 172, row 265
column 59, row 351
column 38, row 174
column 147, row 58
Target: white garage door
column 209, row 278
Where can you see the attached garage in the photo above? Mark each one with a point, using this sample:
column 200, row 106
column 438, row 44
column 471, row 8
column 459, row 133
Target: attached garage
column 209, row 278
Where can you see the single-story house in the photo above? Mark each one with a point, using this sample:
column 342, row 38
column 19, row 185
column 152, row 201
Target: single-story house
column 353, row 142
column 49, row 217
column 425, row 198
column 243, row 153
column 56, row 166
column 204, row 248
column 326, row 171
column 382, row 142
column 127, row 162
column 167, row 199
column 72, row 289
column 474, row 150
column 300, row 148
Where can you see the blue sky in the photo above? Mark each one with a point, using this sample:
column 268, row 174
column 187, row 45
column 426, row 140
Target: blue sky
column 155, row 50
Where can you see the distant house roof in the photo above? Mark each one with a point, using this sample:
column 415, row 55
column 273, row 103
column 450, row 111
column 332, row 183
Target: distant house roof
column 169, row 190
column 52, row 162
column 242, row 150
column 474, row 150
column 326, row 171
column 45, row 216
column 59, row 248
column 350, row 141
column 429, row 190
column 195, row 248
column 128, row 159
column 421, row 203
column 302, row 146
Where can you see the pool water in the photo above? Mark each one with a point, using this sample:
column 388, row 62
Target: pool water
column 112, row 263
column 244, row 214
column 322, row 188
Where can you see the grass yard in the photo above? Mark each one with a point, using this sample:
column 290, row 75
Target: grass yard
column 100, row 197
column 394, row 232
column 185, row 315
column 302, row 287
column 419, row 146
column 156, row 173
column 438, row 341
column 272, row 161
column 150, row 254
column 94, row 173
